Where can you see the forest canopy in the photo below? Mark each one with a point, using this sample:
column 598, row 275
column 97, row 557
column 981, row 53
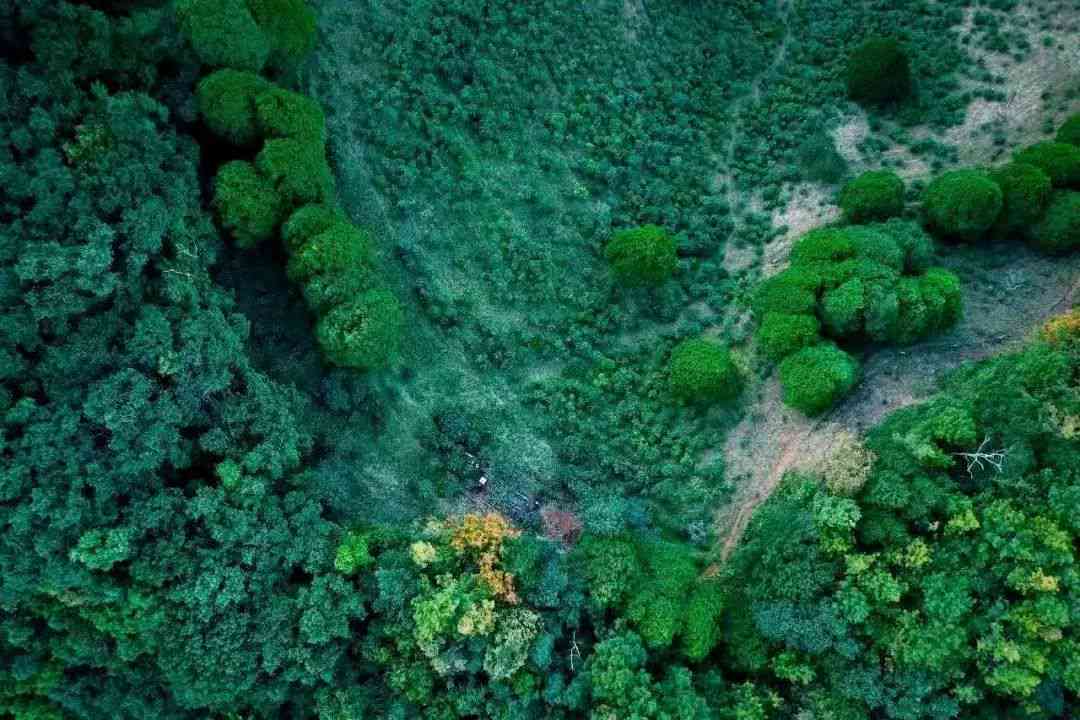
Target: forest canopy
column 269, row 450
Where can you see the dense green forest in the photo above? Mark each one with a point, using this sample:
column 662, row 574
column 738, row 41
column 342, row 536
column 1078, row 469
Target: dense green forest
column 383, row 359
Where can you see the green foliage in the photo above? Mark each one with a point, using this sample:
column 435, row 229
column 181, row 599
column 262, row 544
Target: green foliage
column 306, row 223
column 282, row 113
column 1069, row 132
column 1025, row 192
column 223, row 33
column 874, row 195
column 815, row 377
column 878, row 71
column 1059, row 229
column 702, row 371
column 364, row 332
column 782, row 334
column 843, row 307
column 1060, row 161
column 297, row 168
column 962, row 204
column 642, row 256
column 792, row 292
column 227, row 104
column 969, row 563
column 289, row 28
column 820, row 161
column 249, row 206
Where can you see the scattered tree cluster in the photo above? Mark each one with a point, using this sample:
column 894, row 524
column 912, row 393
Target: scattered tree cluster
column 856, row 285
column 287, row 189
column 1036, row 197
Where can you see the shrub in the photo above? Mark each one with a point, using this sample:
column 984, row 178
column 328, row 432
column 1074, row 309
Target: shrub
column 702, row 371
column 942, row 295
column 842, row 309
column 227, row 104
column 364, row 333
column 793, row 292
column 782, row 334
column 878, row 71
column 1061, row 161
column 223, row 33
column 1025, row 192
column 962, row 203
column 814, row 378
column 915, row 244
column 1069, row 132
column 307, row 222
column 298, row 169
column 819, row 159
column 822, row 245
column 248, row 205
column 877, row 252
column 339, row 247
column 289, row 27
column 642, row 256
column 326, row 291
column 876, row 195
column 285, row 114
column 1059, row 229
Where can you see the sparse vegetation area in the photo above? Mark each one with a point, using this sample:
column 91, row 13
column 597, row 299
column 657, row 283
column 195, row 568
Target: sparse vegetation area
column 437, row 359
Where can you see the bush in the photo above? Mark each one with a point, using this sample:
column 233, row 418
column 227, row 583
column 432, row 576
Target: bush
column 878, row 72
column 227, row 104
column 820, row 161
column 341, row 246
column 642, row 256
column 298, row 169
column 962, row 203
column 816, row 377
column 1025, row 192
column 307, row 222
column 876, row 195
column 1069, row 132
column 364, row 333
column 223, row 33
column 916, row 246
column 248, row 205
column 792, row 292
column 782, row 334
column 842, row 309
column 1059, row 230
column 289, row 27
column 822, row 245
column 702, row 371
column 285, row 114
column 1061, row 161
column 927, row 304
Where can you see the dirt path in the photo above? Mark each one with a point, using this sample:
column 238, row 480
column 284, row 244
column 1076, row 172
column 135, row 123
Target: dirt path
column 1009, row 292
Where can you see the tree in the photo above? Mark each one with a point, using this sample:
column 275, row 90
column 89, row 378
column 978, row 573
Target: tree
column 227, row 104
column 816, row 377
column 782, row 334
column 297, row 168
column 1069, row 132
column 1025, row 192
column 1060, row 161
column 874, row 195
column 223, row 33
column 878, row 71
column 1059, row 229
column 289, row 28
column 702, row 371
column 642, row 256
column 285, row 114
column 962, row 204
column 364, row 333
column 249, row 206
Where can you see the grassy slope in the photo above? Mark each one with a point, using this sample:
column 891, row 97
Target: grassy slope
column 494, row 154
